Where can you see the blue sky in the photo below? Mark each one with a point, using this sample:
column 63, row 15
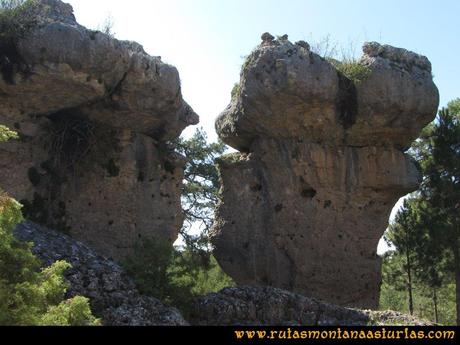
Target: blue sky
column 207, row 40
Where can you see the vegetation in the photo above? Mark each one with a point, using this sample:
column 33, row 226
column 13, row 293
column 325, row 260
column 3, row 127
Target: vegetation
column 201, row 187
column 28, row 295
column 235, row 90
column 177, row 275
column 7, row 134
column 174, row 276
column 17, row 18
column 352, row 69
column 435, row 305
column 107, row 26
column 344, row 59
column 426, row 232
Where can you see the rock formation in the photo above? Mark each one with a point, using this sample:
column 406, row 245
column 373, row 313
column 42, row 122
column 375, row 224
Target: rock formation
column 268, row 306
column 321, row 166
column 113, row 296
column 115, row 299
column 94, row 115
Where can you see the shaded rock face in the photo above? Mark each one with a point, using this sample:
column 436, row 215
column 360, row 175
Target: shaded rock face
column 267, row 306
column 94, row 115
column 113, row 296
column 322, row 164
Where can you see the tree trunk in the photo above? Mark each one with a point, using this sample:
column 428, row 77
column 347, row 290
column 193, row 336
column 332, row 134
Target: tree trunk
column 409, row 283
column 435, row 302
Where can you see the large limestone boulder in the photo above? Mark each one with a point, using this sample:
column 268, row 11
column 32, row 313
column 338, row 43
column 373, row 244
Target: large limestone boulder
column 113, row 295
column 322, row 164
column 94, row 115
column 267, row 306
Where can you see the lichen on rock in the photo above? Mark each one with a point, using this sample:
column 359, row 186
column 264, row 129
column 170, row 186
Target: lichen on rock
column 305, row 206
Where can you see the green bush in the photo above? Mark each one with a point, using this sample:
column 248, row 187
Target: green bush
column 74, row 312
column 17, row 18
column 235, row 90
column 7, row 134
column 174, row 277
column 351, row 68
column 28, row 295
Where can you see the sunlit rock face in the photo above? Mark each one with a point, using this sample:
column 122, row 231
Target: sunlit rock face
column 322, row 164
column 94, row 115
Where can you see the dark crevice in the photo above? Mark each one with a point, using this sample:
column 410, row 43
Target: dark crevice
column 347, row 102
column 117, row 88
column 11, row 63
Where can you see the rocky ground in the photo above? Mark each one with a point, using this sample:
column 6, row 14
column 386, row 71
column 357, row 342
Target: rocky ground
column 112, row 293
column 116, row 300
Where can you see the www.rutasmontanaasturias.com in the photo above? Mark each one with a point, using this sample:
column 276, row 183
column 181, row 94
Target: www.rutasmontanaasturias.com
column 379, row 333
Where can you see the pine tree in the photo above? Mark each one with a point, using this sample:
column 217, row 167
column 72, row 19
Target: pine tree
column 403, row 235
column 438, row 152
column 201, row 186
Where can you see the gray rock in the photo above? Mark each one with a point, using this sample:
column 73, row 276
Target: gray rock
column 265, row 306
column 113, row 295
column 94, row 115
column 267, row 37
column 304, row 205
column 110, row 81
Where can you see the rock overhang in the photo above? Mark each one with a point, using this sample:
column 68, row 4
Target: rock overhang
column 288, row 91
column 95, row 116
column 322, row 164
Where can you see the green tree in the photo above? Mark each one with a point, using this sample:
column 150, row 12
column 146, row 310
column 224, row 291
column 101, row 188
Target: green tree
column 439, row 154
column 393, row 290
column 403, row 234
column 201, row 187
column 173, row 275
column 434, row 216
column 427, row 230
column 30, row 295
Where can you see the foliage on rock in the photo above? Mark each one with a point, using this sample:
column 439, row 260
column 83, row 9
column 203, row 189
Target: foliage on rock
column 28, row 295
column 175, row 277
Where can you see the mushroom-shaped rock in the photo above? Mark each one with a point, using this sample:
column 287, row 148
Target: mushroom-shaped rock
column 306, row 202
column 94, row 115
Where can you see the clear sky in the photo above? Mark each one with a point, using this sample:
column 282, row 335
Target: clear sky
column 207, row 39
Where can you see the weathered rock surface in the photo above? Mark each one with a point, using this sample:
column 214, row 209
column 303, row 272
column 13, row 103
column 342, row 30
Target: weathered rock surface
column 305, row 204
column 115, row 299
column 267, row 306
column 112, row 294
column 94, row 115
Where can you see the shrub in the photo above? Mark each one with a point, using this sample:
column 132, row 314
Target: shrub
column 7, row 134
column 28, row 295
column 174, row 277
column 351, row 68
column 17, row 18
column 235, row 90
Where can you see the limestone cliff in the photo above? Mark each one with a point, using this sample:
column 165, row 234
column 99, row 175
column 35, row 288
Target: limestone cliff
column 322, row 164
column 94, row 115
